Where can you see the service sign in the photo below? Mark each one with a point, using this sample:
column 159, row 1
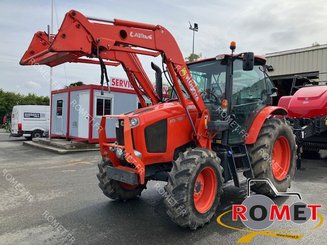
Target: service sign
column 120, row 83
column 123, row 83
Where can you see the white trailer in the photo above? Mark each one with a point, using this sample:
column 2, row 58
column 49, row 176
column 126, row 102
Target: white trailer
column 76, row 111
column 30, row 121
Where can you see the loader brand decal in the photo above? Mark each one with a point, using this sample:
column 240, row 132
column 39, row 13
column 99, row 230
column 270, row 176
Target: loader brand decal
column 259, row 212
column 183, row 73
column 140, row 35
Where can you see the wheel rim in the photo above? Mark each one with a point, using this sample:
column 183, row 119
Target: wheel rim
column 281, row 158
column 37, row 135
column 205, row 189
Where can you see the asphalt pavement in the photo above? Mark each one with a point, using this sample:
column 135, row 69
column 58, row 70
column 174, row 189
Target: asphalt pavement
column 46, row 198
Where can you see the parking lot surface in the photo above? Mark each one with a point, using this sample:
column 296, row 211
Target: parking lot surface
column 46, row 198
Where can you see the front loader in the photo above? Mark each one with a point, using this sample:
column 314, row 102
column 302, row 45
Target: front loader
column 217, row 125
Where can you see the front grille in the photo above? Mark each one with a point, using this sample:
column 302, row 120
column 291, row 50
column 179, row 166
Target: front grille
column 120, row 132
column 156, row 137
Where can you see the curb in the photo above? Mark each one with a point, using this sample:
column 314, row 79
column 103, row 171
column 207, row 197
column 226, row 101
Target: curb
column 57, row 150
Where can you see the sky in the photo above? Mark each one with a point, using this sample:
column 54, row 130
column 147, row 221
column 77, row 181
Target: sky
column 258, row 26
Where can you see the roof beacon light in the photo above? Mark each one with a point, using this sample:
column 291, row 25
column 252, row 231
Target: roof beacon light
column 232, row 45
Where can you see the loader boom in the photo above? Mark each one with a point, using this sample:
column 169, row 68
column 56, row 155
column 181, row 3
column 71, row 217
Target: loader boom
column 121, row 40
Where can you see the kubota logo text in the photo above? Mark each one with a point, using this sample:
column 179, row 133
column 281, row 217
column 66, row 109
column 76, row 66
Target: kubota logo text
column 183, row 72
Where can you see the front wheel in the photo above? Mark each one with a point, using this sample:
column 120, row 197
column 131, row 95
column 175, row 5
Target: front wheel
column 273, row 156
column 194, row 188
column 115, row 189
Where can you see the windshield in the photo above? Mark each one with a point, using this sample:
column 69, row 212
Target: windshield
column 248, row 86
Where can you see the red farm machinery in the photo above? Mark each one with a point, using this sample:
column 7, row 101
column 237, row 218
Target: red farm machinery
column 307, row 113
column 218, row 125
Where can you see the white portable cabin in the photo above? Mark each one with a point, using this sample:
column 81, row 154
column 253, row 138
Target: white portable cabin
column 76, row 111
column 30, row 121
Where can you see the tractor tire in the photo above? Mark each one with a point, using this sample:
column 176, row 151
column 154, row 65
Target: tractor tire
column 194, row 188
column 114, row 189
column 273, row 156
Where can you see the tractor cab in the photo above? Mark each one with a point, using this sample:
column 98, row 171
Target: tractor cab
column 251, row 91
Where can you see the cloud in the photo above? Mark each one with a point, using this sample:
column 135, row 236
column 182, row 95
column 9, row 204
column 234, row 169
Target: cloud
column 256, row 25
column 32, row 85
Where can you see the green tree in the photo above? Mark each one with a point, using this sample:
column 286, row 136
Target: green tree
column 315, row 44
column 9, row 99
column 79, row 83
column 193, row 57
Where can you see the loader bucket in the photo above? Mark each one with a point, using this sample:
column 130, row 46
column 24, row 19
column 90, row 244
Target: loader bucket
column 57, row 49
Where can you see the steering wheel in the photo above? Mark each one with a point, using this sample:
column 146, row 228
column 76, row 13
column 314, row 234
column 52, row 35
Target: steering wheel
column 208, row 95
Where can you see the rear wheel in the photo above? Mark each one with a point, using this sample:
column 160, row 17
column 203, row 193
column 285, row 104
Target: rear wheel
column 273, row 156
column 194, row 188
column 37, row 134
column 115, row 189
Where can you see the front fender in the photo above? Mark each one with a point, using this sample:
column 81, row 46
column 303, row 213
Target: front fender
column 259, row 121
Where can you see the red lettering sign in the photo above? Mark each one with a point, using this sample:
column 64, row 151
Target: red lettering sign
column 120, row 83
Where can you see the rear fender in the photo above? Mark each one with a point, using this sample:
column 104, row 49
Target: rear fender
column 259, row 121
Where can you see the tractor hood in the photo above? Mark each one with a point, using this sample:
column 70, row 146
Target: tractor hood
column 307, row 102
column 163, row 110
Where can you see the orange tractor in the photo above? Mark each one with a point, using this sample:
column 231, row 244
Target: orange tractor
column 218, row 122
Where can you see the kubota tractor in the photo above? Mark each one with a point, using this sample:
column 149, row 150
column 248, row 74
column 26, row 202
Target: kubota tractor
column 218, row 122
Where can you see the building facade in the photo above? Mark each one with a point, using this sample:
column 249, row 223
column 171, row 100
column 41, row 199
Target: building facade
column 76, row 112
column 298, row 66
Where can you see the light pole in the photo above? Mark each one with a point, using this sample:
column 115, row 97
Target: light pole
column 194, row 28
column 50, row 31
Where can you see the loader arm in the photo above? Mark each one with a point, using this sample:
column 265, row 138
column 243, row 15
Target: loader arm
column 80, row 36
column 136, row 74
column 40, row 46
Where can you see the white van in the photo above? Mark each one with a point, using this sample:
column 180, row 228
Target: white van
column 30, row 121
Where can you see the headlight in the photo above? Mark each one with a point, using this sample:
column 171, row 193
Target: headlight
column 134, row 121
column 120, row 153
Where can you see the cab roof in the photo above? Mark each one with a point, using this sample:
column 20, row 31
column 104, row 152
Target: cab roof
column 259, row 60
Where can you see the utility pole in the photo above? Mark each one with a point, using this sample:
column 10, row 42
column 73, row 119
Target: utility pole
column 194, row 28
column 50, row 31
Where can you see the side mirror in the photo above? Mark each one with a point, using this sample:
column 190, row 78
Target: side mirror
column 248, row 61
